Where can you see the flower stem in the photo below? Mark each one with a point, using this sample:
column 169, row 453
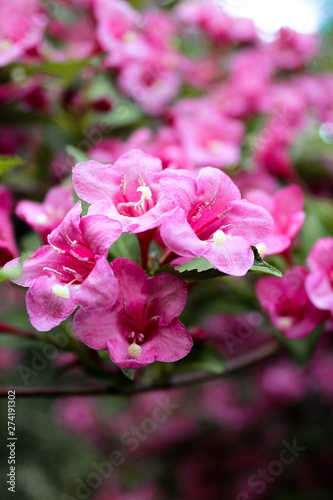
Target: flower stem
column 243, row 362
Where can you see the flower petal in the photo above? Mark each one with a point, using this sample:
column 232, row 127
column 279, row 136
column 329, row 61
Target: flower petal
column 234, row 256
column 320, row 290
column 100, row 288
column 94, row 181
column 46, row 309
column 167, row 296
column 249, row 221
column 179, row 237
column 99, row 233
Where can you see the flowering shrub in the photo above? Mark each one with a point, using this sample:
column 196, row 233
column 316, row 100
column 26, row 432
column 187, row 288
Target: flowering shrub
column 155, row 165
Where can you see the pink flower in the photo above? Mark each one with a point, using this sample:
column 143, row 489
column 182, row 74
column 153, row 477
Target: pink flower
column 287, row 303
column 207, row 137
column 159, row 28
column 247, row 89
column 283, row 382
column 210, row 17
column 117, row 34
column 319, row 283
column 9, row 358
column 8, row 248
column 272, row 150
column 127, row 191
column 151, row 81
column 292, row 50
column 76, row 38
column 163, row 144
column 46, row 216
column 72, row 270
column 143, row 327
column 211, row 220
column 286, row 208
column 21, row 28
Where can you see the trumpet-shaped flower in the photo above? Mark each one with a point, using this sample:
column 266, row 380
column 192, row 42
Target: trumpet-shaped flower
column 127, row 191
column 211, row 220
column 143, row 326
column 72, row 270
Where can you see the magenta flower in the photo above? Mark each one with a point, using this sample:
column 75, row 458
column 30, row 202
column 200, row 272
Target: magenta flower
column 72, row 270
column 127, row 191
column 46, row 216
column 319, row 283
column 292, row 50
column 21, row 27
column 143, row 327
column 211, row 18
column 8, row 248
column 211, row 220
column 286, row 301
column 286, row 208
column 117, row 30
column 150, row 81
column 207, row 137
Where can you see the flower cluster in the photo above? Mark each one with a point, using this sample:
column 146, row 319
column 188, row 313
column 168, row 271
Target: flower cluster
column 188, row 130
column 122, row 310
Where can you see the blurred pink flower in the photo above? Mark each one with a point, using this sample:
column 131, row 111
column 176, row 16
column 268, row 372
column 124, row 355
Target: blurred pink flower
column 151, row 81
column 8, row 248
column 210, row 17
column 286, row 208
column 117, row 32
column 283, row 382
column 207, row 137
column 78, row 414
column 292, row 50
column 319, row 283
column 143, row 327
column 287, row 303
column 22, row 24
column 46, row 216
column 9, row 358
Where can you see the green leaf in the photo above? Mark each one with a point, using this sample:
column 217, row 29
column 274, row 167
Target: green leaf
column 197, row 270
column 260, row 266
column 129, row 373
column 301, row 350
column 200, row 264
column 66, row 70
column 200, row 269
column 126, row 246
column 77, row 154
column 203, row 358
column 7, row 162
column 125, row 113
column 13, row 273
